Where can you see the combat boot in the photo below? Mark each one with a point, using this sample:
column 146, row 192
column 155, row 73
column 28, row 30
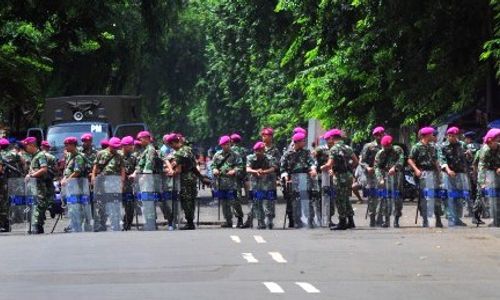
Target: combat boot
column 189, row 226
column 387, row 222
column 248, row 223
column 350, row 222
column 240, row 223
column 396, row 222
column 425, row 222
column 372, row 221
column 227, row 224
column 438, row 222
column 379, row 220
column 342, row 225
column 291, row 222
column 37, row 229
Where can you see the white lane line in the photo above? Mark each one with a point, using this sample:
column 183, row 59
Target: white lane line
column 259, row 239
column 249, row 258
column 236, row 239
column 273, row 287
column 309, row 288
column 277, row 257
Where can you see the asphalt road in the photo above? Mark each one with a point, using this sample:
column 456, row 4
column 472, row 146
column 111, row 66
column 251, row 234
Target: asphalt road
column 213, row 263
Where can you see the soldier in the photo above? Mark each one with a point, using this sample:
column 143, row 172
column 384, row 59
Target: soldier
column 168, row 172
column 452, row 158
column 322, row 153
column 10, row 166
column 129, row 164
column 489, row 173
column 242, row 177
column 423, row 160
column 75, row 167
column 184, row 165
column 226, row 165
column 88, row 151
column 341, row 170
column 366, row 160
column 472, row 148
column 389, row 163
column 262, row 168
column 298, row 160
column 52, row 172
column 107, row 162
column 104, row 144
column 38, row 170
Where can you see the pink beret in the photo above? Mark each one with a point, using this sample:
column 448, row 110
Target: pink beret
column 137, row 143
column 386, row 140
column 259, row 146
column 29, row 140
column 426, row 131
column 4, row 142
column 328, row 134
column 224, row 140
column 378, row 130
column 86, row 137
column 127, row 141
column 453, row 130
column 115, row 142
column 335, row 132
column 298, row 137
column 71, row 140
column 267, row 131
column 104, row 142
column 491, row 134
column 171, row 138
column 235, row 137
column 143, row 134
column 299, row 130
column 45, row 144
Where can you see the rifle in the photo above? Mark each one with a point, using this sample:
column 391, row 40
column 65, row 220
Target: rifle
column 11, row 167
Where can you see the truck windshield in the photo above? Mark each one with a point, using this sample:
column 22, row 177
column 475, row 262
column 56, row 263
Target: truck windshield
column 57, row 134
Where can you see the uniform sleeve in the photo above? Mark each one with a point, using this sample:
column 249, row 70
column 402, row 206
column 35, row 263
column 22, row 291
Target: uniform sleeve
column 401, row 158
column 362, row 156
column 311, row 162
column 42, row 161
column 249, row 161
column 442, row 159
column 413, row 152
column 482, row 166
column 79, row 164
column 378, row 165
column 238, row 163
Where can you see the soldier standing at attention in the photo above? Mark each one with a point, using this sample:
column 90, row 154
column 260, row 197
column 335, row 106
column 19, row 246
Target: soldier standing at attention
column 129, row 163
column 10, row 166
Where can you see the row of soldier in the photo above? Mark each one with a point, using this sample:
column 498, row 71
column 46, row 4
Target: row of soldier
column 131, row 170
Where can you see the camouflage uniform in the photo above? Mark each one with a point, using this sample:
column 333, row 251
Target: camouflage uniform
column 265, row 194
column 75, row 163
column 227, row 185
column 107, row 164
column 384, row 161
column 295, row 162
column 40, row 201
column 340, row 154
column 13, row 159
column 51, row 175
column 472, row 150
column 426, row 160
column 489, row 161
column 322, row 155
column 453, row 155
column 89, row 154
column 242, row 175
column 146, row 161
column 129, row 163
column 184, row 157
column 367, row 159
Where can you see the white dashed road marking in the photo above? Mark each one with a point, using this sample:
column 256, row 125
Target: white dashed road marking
column 259, row 239
column 309, row 288
column 273, row 287
column 249, row 257
column 277, row 257
column 236, row 239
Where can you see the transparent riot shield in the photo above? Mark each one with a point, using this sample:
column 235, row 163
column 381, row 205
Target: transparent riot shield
column 170, row 205
column 315, row 201
column 32, row 186
column 389, row 192
column 456, row 189
column 108, row 191
column 301, row 209
column 326, row 198
column 17, row 198
column 429, row 185
column 75, row 193
column 258, row 195
column 492, row 194
column 149, row 188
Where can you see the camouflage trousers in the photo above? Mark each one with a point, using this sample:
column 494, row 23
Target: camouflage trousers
column 231, row 206
column 129, row 206
column 390, row 206
column 187, row 197
column 4, row 204
column 263, row 208
column 343, row 192
column 39, row 207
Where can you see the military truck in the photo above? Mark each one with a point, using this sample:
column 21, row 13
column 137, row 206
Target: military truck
column 103, row 116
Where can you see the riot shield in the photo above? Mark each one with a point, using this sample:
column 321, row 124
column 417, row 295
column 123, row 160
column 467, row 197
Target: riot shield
column 492, row 194
column 456, row 190
column 17, row 199
column 75, row 192
column 326, row 198
column 429, row 185
column 170, row 205
column 32, row 186
column 315, row 201
column 301, row 209
column 108, row 191
column 149, row 188
column 389, row 192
